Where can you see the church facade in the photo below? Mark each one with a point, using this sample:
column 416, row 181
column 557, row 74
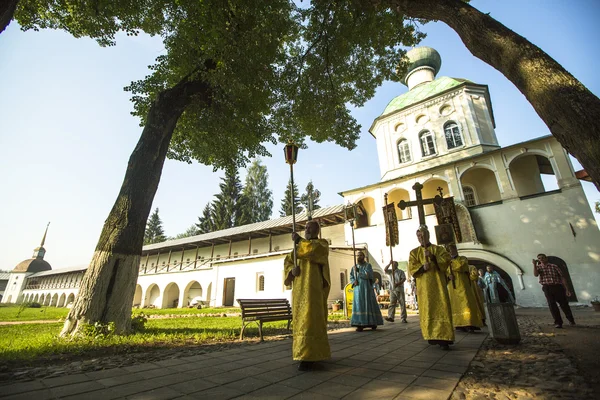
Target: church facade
column 441, row 134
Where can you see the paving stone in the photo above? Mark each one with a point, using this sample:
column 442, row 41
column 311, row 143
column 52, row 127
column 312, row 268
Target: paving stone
column 301, row 382
column 332, row 389
column 105, row 373
column 397, row 378
column 218, row 392
column 351, row 380
column 22, row 387
column 226, row 377
column 65, row 380
column 76, row 388
column 248, row 385
column 192, row 385
column 102, row 394
column 163, row 393
column 442, row 374
column 272, row 392
column 44, row 394
column 425, row 393
column 118, row 380
column 435, row 383
column 141, row 367
column 370, row 373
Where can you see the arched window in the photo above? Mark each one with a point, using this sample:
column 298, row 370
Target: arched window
column 469, row 194
column 403, row 151
column 453, row 138
column 261, row 283
column 427, row 143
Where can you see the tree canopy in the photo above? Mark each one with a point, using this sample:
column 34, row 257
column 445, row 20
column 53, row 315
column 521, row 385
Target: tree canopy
column 258, row 196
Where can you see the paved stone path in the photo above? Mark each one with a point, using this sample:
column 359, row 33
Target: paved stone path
column 392, row 362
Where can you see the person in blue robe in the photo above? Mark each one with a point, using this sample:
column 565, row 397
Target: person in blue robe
column 365, row 310
column 496, row 290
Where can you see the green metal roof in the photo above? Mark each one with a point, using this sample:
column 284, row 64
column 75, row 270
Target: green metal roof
column 422, row 92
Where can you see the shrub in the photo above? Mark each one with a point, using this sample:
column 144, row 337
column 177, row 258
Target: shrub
column 34, row 305
column 138, row 322
column 98, row 330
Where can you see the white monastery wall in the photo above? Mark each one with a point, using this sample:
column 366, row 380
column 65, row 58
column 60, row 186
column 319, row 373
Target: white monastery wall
column 544, row 224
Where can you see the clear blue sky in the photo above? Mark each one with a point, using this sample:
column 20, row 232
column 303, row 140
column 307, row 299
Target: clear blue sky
column 66, row 133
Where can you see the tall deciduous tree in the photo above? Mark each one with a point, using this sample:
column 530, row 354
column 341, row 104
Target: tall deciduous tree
column 310, row 198
column 234, row 75
column 154, row 230
column 259, row 198
column 205, row 223
column 286, row 202
column 228, row 209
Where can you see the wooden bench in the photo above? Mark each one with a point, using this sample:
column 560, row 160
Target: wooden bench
column 264, row 310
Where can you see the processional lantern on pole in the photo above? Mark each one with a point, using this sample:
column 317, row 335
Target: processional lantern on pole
column 291, row 155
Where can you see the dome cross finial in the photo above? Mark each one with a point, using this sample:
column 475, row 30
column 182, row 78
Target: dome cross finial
column 45, row 233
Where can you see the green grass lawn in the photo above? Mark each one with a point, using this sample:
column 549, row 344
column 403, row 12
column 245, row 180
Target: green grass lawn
column 16, row 313
column 24, row 342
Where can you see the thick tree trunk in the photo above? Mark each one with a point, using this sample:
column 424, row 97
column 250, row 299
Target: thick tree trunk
column 569, row 109
column 108, row 286
column 7, row 11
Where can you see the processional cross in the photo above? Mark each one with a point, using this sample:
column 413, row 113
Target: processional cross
column 420, row 202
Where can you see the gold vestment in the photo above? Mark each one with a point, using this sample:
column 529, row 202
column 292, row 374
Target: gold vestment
column 465, row 311
column 434, row 304
column 309, row 300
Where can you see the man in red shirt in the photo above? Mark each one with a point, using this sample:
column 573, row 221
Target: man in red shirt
column 554, row 286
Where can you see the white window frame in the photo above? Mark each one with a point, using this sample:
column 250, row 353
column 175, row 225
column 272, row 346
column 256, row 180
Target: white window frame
column 475, row 200
column 423, row 135
column 405, row 151
column 458, row 134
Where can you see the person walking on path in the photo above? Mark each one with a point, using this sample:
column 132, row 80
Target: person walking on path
column 397, row 279
column 309, row 297
column 365, row 310
column 554, row 286
column 463, row 301
column 428, row 264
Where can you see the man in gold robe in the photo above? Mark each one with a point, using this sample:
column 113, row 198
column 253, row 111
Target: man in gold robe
column 477, row 283
column 309, row 297
column 465, row 313
column 428, row 263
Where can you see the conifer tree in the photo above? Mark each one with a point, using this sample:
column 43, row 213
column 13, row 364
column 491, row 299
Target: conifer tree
column 154, row 230
column 228, row 208
column 286, row 202
column 310, row 192
column 258, row 196
column 205, row 223
column 191, row 231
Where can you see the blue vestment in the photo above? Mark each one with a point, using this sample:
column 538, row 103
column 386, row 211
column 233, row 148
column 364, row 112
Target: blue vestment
column 365, row 310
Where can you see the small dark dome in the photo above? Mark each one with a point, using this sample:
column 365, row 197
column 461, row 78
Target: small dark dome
column 33, row 265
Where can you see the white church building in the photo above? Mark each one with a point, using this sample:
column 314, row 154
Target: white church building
column 441, row 133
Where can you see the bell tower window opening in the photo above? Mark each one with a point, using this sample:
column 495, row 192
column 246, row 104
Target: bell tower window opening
column 403, row 151
column 469, row 194
column 427, row 143
column 452, row 133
